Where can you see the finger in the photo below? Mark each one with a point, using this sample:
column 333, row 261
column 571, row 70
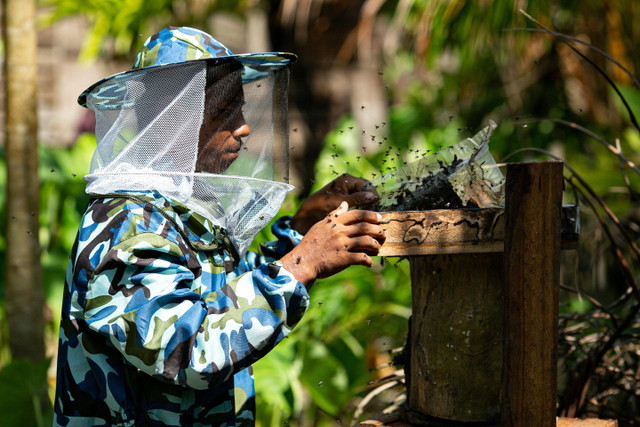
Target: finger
column 362, row 198
column 359, row 258
column 340, row 210
column 356, row 215
column 363, row 244
column 366, row 229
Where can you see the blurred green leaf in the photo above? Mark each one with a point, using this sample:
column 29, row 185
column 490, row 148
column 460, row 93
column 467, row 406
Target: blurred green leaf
column 23, row 394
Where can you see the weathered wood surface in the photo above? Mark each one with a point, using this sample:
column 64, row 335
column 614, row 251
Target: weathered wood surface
column 396, row 420
column 448, row 231
column 455, row 336
column 587, row 422
column 532, row 274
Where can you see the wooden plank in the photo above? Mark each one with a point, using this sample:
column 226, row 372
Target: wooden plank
column 455, row 337
column 532, row 273
column 587, row 422
column 443, row 231
column 450, row 231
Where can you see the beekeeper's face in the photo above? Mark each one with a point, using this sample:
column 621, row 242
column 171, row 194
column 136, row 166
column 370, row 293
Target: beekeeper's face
column 223, row 125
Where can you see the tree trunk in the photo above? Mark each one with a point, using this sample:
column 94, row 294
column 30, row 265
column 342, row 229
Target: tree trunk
column 24, row 299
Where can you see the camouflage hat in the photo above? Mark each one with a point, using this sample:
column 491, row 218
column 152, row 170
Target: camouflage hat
column 173, row 47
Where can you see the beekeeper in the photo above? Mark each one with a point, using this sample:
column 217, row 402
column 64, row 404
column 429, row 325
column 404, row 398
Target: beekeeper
column 164, row 308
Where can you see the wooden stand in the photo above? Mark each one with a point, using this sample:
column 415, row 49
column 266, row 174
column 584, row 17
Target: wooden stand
column 482, row 345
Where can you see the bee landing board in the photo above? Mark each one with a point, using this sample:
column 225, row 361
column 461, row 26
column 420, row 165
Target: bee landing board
column 455, row 231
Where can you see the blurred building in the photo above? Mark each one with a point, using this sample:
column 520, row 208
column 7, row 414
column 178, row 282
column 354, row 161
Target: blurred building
column 60, row 80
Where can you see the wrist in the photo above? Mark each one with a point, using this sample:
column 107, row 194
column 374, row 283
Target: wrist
column 295, row 265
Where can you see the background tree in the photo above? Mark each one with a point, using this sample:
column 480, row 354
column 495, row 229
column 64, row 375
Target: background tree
column 24, row 300
column 22, row 381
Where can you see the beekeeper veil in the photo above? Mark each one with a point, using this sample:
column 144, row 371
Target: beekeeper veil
column 199, row 125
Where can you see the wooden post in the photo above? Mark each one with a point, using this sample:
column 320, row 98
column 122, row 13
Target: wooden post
column 455, row 355
column 532, row 273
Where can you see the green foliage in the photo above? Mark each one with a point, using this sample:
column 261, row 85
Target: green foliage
column 321, row 367
column 23, row 394
column 120, row 27
column 62, row 203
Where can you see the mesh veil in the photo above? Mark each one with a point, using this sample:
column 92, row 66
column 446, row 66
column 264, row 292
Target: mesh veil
column 171, row 130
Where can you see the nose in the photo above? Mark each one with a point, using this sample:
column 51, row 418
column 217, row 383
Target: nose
column 242, row 130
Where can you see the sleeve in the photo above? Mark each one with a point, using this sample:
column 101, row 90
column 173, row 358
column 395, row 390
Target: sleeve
column 287, row 239
column 186, row 325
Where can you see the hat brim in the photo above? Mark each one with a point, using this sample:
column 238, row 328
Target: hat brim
column 256, row 66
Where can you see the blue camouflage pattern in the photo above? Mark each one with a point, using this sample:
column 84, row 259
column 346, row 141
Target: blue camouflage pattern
column 179, row 46
column 159, row 326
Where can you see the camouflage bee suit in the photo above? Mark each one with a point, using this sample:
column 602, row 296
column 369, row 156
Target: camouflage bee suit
column 159, row 325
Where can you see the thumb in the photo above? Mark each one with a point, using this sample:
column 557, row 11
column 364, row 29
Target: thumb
column 344, row 207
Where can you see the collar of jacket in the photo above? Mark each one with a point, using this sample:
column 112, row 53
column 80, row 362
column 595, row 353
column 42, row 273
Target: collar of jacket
column 196, row 230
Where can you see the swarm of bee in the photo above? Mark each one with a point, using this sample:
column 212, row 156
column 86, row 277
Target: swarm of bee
column 461, row 176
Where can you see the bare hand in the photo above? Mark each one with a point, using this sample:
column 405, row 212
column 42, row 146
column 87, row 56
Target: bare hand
column 356, row 192
column 341, row 239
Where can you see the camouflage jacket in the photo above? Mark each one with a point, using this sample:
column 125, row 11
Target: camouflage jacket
column 159, row 326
